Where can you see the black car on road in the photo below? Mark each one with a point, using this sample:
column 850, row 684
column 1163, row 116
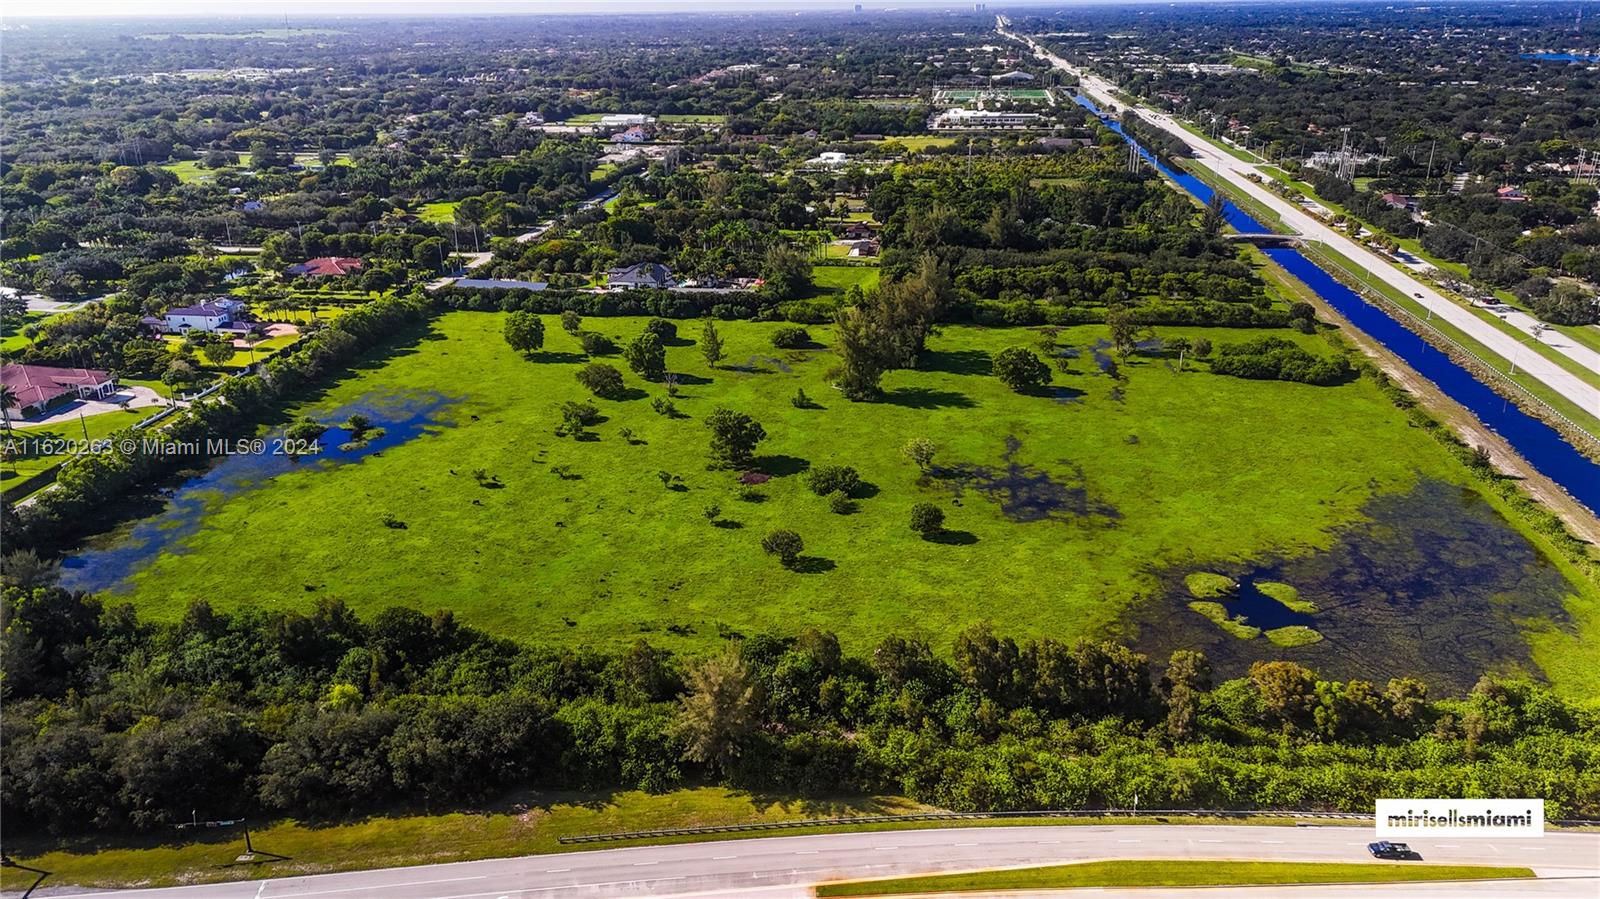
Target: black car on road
column 1386, row 849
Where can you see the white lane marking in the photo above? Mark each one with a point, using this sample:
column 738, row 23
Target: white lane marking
column 807, row 851
column 1130, row 841
column 966, row 844
column 1210, row 841
column 642, row 864
column 388, row 886
column 556, row 870
column 1272, row 841
column 721, row 857
column 261, row 889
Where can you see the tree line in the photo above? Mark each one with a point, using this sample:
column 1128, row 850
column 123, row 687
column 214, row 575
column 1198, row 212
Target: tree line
column 115, row 723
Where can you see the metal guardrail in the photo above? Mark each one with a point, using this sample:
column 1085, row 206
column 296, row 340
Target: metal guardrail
column 953, row 816
column 625, row 835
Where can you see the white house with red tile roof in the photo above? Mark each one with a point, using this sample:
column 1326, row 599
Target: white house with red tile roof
column 37, row 388
column 326, row 267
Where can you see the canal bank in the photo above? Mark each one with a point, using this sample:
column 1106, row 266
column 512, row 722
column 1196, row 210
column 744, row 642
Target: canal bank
column 1534, row 440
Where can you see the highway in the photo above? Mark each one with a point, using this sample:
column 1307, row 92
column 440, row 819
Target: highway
column 791, row 866
column 1508, row 347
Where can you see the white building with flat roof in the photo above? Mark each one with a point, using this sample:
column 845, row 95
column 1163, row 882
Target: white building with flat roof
column 626, row 119
column 969, row 119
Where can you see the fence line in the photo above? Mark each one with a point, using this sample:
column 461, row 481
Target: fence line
column 620, row 836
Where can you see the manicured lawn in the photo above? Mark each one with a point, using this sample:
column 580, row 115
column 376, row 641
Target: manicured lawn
column 1154, row 873
column 918, row 142
column 836, row 279
column 11, row 337
column 441, row 211
column 31, row 441
column 189, row 171
column 608, row 554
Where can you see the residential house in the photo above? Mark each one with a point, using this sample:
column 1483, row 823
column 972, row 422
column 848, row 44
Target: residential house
column 1401, row 201
column 216, row 315
column 39, row 388
column 863, row 248
column 832, row 159
column 326, row 267
column 634, row 135
column 1511, row 194
column 858, row 231
column 645, row 275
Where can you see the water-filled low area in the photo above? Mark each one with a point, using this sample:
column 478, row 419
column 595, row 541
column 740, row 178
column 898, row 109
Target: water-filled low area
column 109, row 560
column 1432, row 583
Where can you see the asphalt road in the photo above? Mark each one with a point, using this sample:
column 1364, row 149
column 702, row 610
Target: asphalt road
column 789, row 866
column 1509, row 347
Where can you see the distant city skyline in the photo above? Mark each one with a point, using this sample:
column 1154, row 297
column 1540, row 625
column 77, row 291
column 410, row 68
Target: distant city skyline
column 117, row 9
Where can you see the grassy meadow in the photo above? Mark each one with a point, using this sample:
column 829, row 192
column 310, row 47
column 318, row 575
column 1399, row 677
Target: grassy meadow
column 1168, row 470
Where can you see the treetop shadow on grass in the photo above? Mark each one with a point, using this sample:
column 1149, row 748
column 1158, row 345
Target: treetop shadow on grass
column 556, row 357
column 781, row 466
column 927, row 398
column 953, row 538
column 1027, row 493
column 812, row 565
column 690, row 380
column 956, row 362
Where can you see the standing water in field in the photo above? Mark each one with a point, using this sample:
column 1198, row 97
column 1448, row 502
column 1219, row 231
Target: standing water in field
column 1432, row 584
column 111, row 559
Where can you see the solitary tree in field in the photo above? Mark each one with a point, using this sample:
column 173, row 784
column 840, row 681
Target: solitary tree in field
column 920, row 450
column 1018, row 368
column 524, row 331
column 1202, row 348
column 602, row 380
column 927, row 519
column 571, row 321
column 711, row 343
column 647, row 357
column 718, row 715
column 734, row 436
column 785, row 544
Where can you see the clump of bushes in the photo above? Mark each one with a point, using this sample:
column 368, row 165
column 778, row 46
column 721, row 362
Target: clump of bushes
column 1279, row 359
column 826, row 479
column 791, row 338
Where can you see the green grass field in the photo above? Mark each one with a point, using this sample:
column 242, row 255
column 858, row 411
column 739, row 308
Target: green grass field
column 441, row 211
column 917, row 142
column 190, row 171
column 608, row 554
column 1157, row 873
column 836, row 279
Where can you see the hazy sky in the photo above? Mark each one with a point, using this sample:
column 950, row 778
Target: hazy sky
column 318, row 8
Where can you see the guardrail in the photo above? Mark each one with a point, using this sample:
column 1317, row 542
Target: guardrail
column 853, row 820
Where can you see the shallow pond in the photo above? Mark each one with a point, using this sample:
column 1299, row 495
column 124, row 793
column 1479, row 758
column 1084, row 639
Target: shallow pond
column 107, row 561
column 1434, row 583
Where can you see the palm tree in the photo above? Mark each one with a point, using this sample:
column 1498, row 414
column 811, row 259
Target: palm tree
column 8, row 401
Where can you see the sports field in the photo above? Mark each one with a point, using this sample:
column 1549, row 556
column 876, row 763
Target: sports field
column 969, row 95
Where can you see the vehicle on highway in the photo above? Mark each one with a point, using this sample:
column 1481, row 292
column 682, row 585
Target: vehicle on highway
column 1395, row 851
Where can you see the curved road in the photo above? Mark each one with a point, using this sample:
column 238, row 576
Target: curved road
column 1234, row 171
column 790, row 866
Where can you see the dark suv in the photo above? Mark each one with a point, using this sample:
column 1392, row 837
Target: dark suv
column 1386, row 849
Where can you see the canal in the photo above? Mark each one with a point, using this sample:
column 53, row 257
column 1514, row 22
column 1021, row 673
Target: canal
column 1543, row 447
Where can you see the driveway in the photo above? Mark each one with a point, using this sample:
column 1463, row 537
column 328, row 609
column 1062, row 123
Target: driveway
column 135, row 397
